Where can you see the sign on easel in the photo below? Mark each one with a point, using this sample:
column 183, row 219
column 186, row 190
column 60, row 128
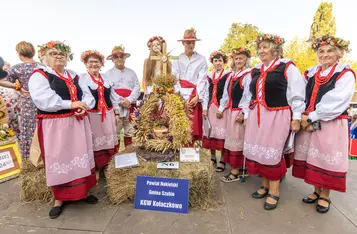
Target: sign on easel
column 10, row 162
column 161, row 194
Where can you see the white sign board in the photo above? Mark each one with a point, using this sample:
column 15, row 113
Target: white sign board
column 126, row 160
column 6, row 161
column 168, row 165
column 189, row 155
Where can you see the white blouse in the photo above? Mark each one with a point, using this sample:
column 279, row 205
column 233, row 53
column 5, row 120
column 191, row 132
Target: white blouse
column 295, row 93
column 46, row 98
column 247, row 96
column 108, row 83
column 193, row 70
column 337, row 100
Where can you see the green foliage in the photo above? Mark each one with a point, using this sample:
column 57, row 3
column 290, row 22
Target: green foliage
column 324, row 21
column 241, row 35
column 301, row 53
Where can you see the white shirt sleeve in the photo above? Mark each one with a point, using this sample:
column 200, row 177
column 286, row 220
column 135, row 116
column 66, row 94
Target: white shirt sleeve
column 225, row 98
column 135, row 93
column 176, row 73
column 335, row 101
column 247, row 96
column 44, row 97
column 296, row 91
column 202, row 81
column 87, row 97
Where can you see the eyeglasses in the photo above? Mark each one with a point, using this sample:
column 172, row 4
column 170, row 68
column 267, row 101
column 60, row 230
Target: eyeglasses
column 93, row 62
column 118, row 56
column 57, row 55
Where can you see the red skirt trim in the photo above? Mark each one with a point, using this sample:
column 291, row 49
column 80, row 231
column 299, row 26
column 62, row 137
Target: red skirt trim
column 270, row 172
column 319, row 177
column 234, row 158
column 76, row 189
column 197, row 123
column 71, row 191
column 289, row 159
column 212, row 143
column 103, row 157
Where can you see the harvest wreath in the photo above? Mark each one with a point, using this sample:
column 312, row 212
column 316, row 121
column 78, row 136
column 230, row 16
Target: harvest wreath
column 161, row 123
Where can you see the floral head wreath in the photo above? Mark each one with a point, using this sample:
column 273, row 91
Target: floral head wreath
column 159, row 38
column 331, row 40
column 87, row 53
column 277, row 40
column 58, row 45
column 241, row 51
column 218, row 52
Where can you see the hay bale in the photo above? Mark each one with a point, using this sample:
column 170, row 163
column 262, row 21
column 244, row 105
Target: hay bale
column 33, row 184
column 121, row 182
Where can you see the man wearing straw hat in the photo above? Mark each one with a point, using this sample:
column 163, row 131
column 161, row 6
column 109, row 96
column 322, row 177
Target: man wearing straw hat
column 126, row 84
column 191, row 70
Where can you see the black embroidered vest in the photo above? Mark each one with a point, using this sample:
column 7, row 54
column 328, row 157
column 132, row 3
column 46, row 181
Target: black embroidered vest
column 219, row 87
column 236, row 91
column 60, row 87
column 321, row 91
column 106, row 97
column 276, row 85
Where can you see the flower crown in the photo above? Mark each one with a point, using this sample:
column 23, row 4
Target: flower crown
column 55, row 44
column 87, row 53
column 241, row 51
column 271, row 38
column 331, row 40
column 218, row 52
column 159, row 38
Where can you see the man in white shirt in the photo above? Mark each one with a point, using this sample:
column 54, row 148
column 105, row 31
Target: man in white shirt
column 126, row 84
column 191, row 70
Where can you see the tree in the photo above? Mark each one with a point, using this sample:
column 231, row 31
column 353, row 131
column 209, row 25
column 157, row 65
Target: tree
column 240, row 35
column 324, row 22
column 301, row 53
column 299, row 50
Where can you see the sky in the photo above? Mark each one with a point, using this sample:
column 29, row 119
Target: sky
column 102, row 24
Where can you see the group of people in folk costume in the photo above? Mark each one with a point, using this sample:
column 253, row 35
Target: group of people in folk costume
column 252, row 113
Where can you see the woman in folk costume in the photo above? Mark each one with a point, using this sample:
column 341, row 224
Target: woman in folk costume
column 235, row 100
column 152, row 67
column 321, row 150
column 105, row 114
column 216, row 80
column 278, row 94
column 64, row 130
column 191, row 71
column 17, row 79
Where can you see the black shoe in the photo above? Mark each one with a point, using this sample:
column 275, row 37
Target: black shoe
column 323, row 209
column 214, row 162
column 257, row 195
column 56, row 211
column 219, row 168
column 91, row 199
column 268, row 206
column 309, row 200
